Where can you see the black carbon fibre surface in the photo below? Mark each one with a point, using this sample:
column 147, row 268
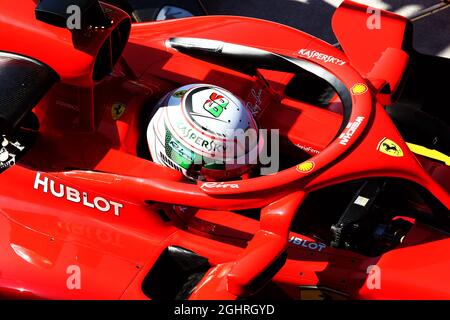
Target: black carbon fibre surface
column 23, row 82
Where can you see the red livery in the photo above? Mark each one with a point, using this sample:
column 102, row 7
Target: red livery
column 357, row 209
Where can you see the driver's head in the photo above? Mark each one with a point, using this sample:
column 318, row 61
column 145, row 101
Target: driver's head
column 205, row 132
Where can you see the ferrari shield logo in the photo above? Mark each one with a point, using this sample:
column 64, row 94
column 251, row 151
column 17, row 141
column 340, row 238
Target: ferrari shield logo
column 117, row 110
column 216, row 104
column 389, row 147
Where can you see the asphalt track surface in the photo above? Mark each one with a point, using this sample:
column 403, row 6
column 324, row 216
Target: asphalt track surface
column 431, row 34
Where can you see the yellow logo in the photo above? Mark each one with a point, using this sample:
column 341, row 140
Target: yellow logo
column 359, row 88
column 117, row 110
column 306, row 166
column 390, row 148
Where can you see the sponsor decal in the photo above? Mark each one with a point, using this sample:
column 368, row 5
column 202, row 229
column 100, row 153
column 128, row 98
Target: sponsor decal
column 102, row 235
column 169, row 162
column 8, row 152
column 182, row 154
column 117, row 110
column 179, row 94
column 312, row 54
column 311, row 245
column 196, row 106
column 209, row 145
column 306, row 166
column 216, row 104
column 350, row 130
column 308, row 149
column 219, row 185
column 359, row 89
column 59, row 190
column 389, row 147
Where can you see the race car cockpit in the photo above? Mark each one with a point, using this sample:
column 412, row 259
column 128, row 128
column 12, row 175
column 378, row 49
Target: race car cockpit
column 86, row 186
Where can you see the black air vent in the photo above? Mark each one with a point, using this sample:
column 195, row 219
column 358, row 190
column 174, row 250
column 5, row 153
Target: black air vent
column 111, row 50
column 24, row 82
column 175, row 274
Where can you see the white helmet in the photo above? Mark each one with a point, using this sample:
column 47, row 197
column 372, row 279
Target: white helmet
column 205, row 132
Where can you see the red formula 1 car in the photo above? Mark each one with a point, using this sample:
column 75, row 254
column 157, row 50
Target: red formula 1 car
column 359, row 208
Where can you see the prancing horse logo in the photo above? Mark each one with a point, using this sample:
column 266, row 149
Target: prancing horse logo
column 390, row 148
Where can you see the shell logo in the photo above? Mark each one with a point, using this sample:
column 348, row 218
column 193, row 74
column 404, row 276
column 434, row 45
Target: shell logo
column 359, row 88
column 306, row 166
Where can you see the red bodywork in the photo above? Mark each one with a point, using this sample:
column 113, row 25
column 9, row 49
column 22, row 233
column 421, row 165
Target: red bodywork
column 82, row 147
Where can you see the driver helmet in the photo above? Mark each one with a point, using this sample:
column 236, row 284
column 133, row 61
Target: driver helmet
column 205, row 132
